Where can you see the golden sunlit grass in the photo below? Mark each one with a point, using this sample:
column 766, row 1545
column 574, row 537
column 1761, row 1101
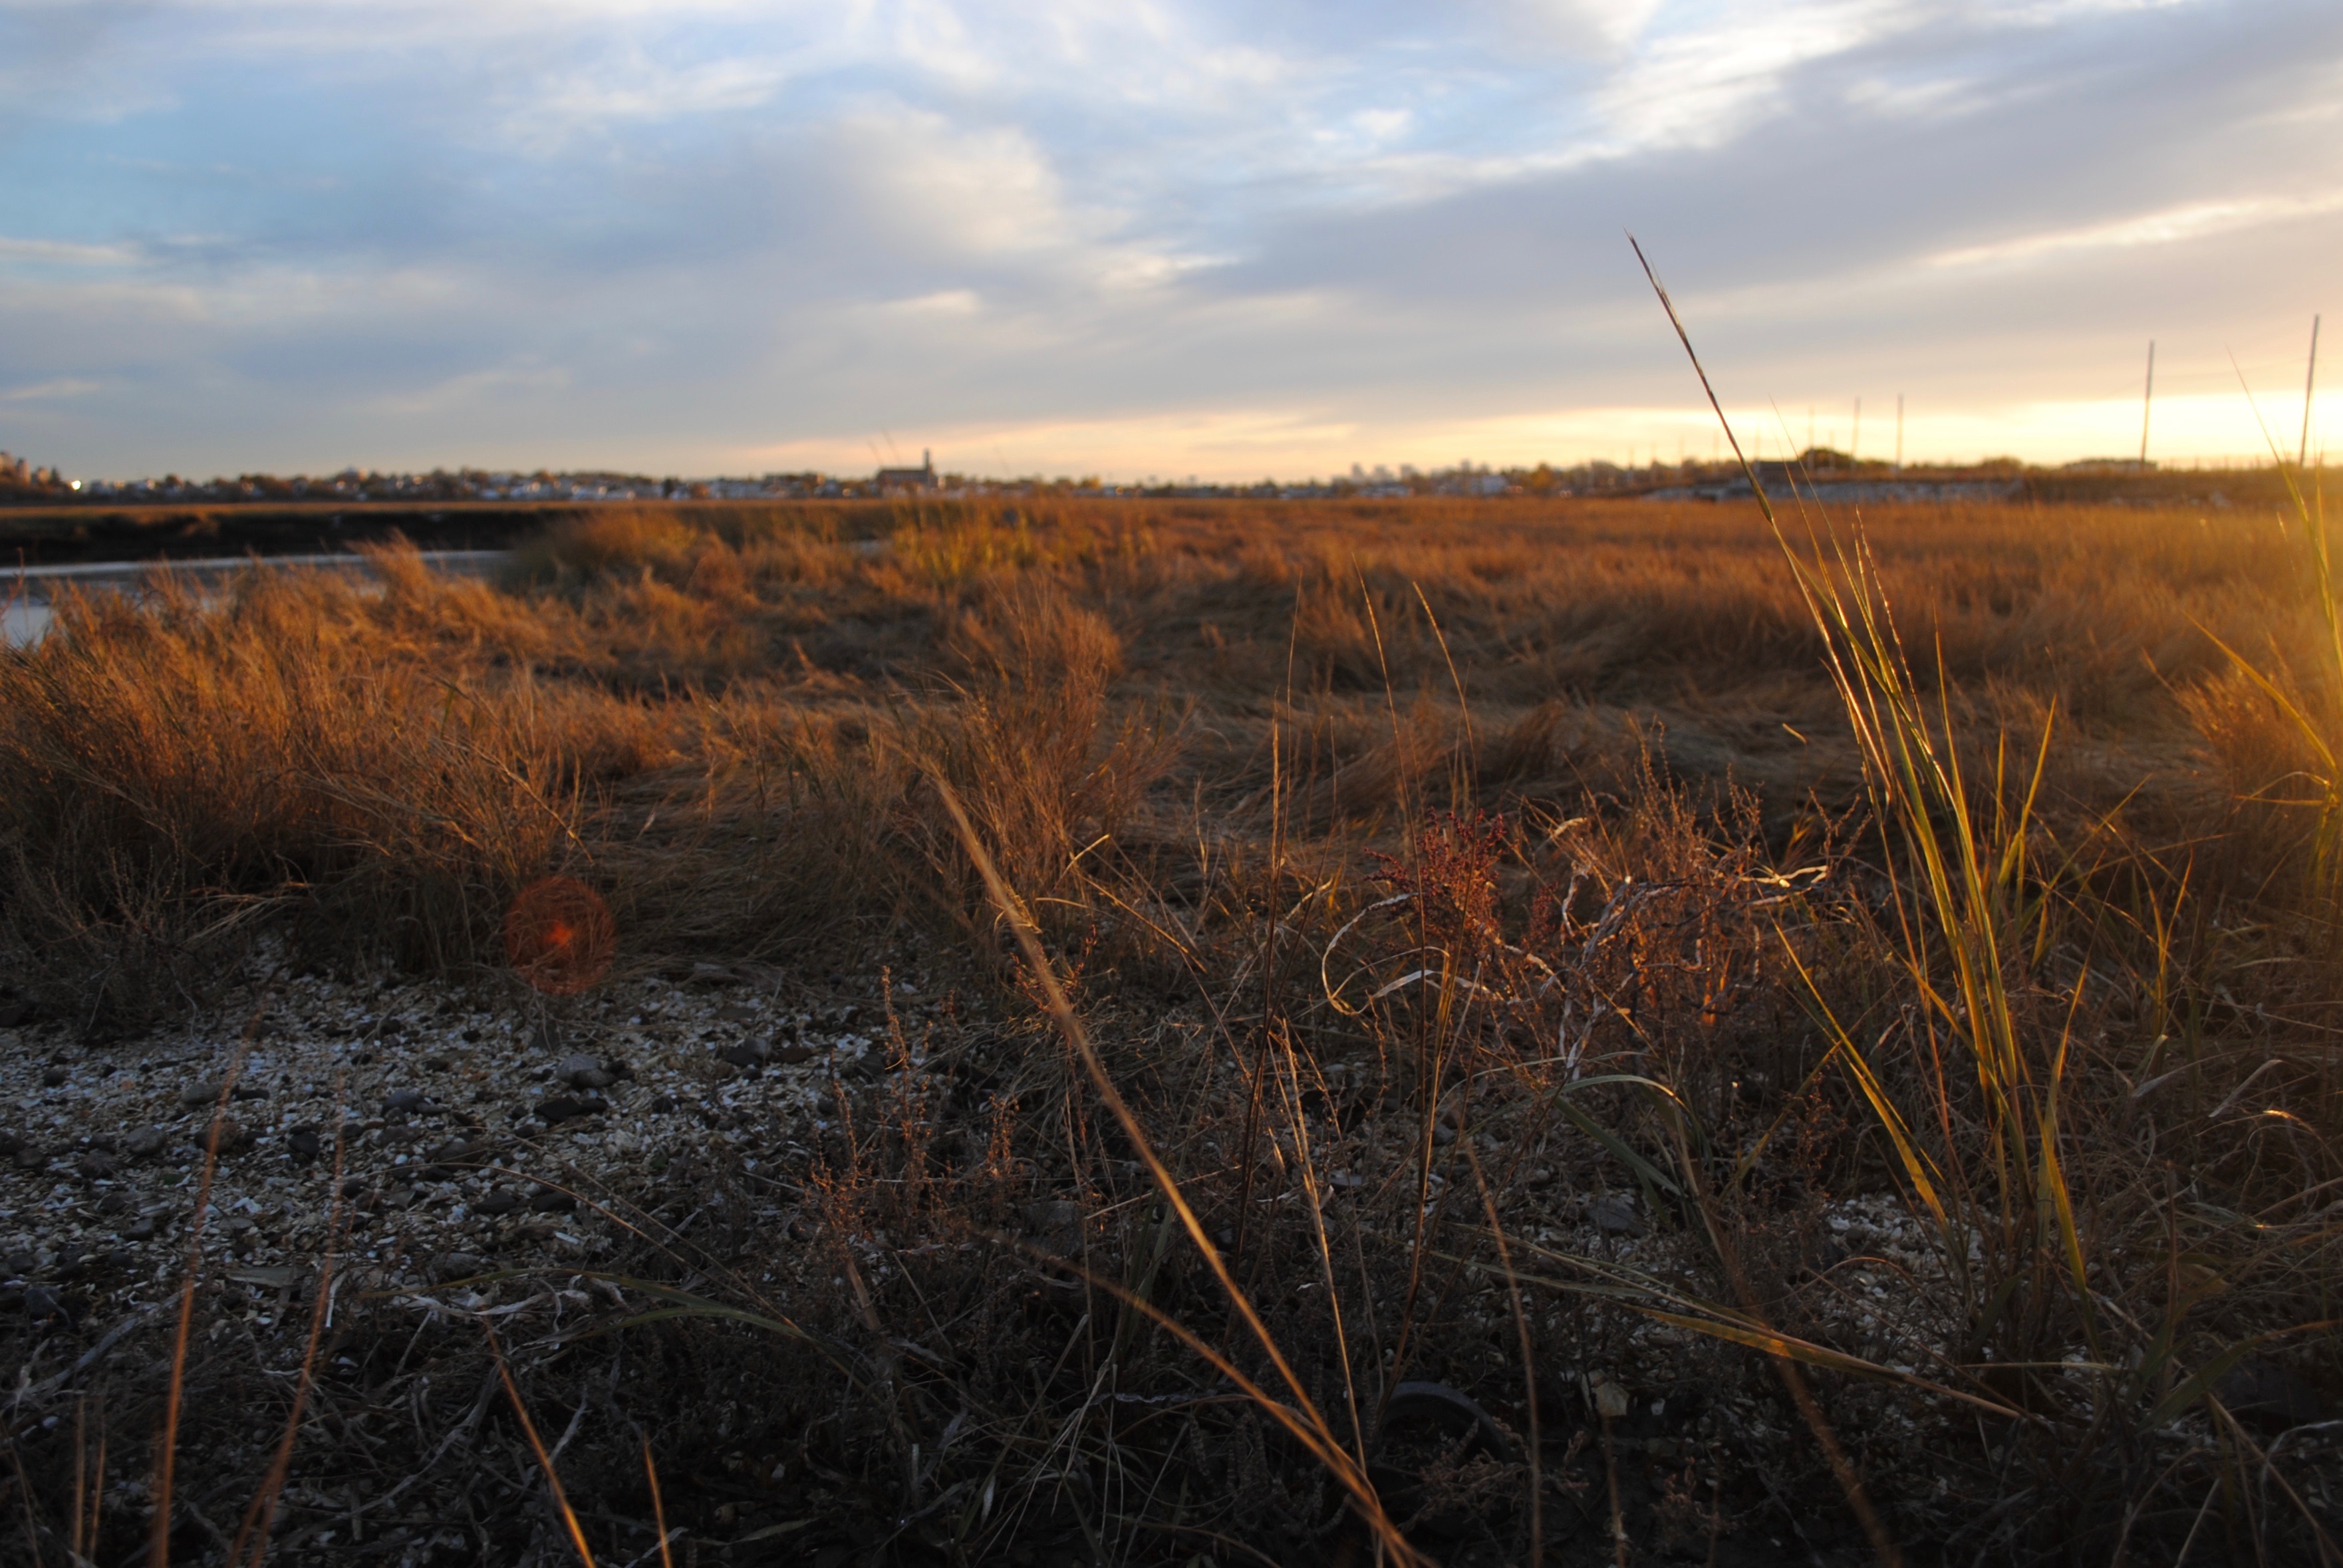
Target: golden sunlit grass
column 1375, row 914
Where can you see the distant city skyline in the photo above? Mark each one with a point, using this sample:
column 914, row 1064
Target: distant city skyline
column 1193, row 237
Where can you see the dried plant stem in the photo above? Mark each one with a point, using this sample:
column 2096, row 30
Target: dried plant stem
column 1310, row 1428
column 167, row 1456
column 261, row 1517
column 536, row 1446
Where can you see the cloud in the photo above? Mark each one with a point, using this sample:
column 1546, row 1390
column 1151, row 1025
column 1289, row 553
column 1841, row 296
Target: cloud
column 2168, row 226
column 44, row 391
column 671, row 235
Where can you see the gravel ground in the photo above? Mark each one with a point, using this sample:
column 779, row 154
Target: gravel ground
column 474, row 1124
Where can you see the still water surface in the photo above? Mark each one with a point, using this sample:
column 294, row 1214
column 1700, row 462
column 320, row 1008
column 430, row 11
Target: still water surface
column 24, row 614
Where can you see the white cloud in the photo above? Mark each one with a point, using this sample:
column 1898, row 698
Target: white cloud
column 66, row 253
column 2168, row 225
column 44, row 391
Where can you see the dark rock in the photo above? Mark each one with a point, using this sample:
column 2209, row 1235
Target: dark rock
column 353, row 1186
column 116, row 1202
column 28, row 1158
column 1437, row 1405
column 735, row 1012
column 663, row 1104
column 436, row 1064
column 11, row 1142
column 305, row 1143
column 2263, row 1393
column 553, row 1200
column 397, row 1197
column 53, row 1077
column 1055, row 1225
column 204, row 1093
column 582, row 1072
column 21, row 1263
column 496, row 1205
column 222, row 1136
column 795, row 1054
column 139, row 1229
column 747, row 1053
column 458, row 1265
column 41, row 1303
column 402, row 1100
column 1615, row 1215
column 96, row 1166
column 14, row 1013
column 564, row 1106
column 147, row 1143
column 459, row 1152
column 248, row 1092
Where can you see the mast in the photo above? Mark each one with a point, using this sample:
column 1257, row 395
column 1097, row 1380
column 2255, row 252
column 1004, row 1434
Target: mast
column 2309, row 384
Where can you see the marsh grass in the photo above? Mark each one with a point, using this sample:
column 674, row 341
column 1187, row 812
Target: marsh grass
column 1484, row 946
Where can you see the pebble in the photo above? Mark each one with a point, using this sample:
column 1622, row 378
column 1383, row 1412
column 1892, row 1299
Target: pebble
column 746, row 1053
column 496, row 1205
column 96, row 1166
column 55, row 1077
column 2264, row 1393
column 147, row 1143
column 401, row 1100
column 582, row 1072
column 564, row 1108
column 305, row 1142
column 1615, row 1215
column 455, row 1152
column 458, row 1265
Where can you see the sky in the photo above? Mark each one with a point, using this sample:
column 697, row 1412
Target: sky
column 1227, row 238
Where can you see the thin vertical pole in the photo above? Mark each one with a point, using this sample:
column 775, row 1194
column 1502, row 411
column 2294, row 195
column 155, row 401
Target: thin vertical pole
column 1899, row 432
column 2309, row 384
column 2147, row 403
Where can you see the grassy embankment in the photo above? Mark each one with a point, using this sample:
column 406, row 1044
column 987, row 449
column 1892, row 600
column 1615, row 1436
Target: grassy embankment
column 1449, row 890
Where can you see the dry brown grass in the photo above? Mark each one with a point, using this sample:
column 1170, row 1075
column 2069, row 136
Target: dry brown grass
column 1428, row 874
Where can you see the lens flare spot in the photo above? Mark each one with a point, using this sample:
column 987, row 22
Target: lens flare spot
column 560, row 936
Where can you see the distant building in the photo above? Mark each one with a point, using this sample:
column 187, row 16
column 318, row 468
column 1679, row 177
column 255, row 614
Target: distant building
column 891, row 481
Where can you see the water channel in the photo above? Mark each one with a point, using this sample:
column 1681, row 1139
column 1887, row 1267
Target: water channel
column 24, row 614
